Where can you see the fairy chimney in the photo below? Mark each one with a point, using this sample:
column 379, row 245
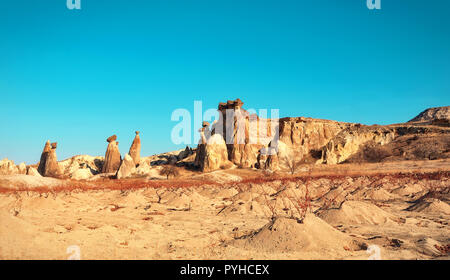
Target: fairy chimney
column 135, row 149
column 51, row 164
column 44, row 155
column 112, row 156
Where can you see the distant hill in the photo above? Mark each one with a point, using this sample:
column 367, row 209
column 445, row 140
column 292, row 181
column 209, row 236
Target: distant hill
column 437, row 113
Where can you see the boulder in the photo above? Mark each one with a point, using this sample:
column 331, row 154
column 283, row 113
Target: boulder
column 135, row 149
column 127, row 167
column 112, row 156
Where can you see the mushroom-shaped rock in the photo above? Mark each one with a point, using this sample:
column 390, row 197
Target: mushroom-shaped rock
column 135, row 149
column 127, row 167
column 112, row 156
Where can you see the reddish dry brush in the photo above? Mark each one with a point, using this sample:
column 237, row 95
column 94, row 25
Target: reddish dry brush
column 133, row 184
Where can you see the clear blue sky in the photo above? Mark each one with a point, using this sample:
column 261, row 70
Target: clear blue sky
column 113, row 67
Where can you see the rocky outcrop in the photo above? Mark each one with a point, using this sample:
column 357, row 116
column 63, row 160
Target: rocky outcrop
column 431, row 114
column 349, row 141
column 7, row 167
column 135, row 149
column 112, row 156
column 127, row 167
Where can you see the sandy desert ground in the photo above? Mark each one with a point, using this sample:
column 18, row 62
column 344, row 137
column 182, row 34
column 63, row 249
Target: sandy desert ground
column 328, row 212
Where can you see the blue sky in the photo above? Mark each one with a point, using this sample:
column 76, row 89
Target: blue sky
column 113, row 67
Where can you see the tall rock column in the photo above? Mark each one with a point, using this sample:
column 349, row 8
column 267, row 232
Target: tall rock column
column 135, row 149
column 51, row 163
column 44, row 155
column 112, row 156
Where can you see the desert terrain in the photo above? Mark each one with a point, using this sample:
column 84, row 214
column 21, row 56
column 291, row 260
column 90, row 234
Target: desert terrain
column 327, row 190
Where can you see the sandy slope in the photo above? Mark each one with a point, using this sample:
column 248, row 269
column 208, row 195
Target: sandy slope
column 406, row 216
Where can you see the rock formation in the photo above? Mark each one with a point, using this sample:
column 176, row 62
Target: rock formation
column 244, row 134
column 135, row 149
column 127, row 167
column 112, row 156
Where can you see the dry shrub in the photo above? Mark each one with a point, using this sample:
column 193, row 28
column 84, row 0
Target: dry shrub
column 169, row 170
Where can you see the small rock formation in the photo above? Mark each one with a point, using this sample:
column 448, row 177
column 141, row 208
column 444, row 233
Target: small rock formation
column 7, row 167
column 44, row 156
column 51, row 167
column 112, row 156
column 127, row 167
column 135, row 149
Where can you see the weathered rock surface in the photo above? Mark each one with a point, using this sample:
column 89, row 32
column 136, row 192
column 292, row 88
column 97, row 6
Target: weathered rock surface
column 112, row 156
column 135, row 149
column 127, row 167
column 349, row 141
